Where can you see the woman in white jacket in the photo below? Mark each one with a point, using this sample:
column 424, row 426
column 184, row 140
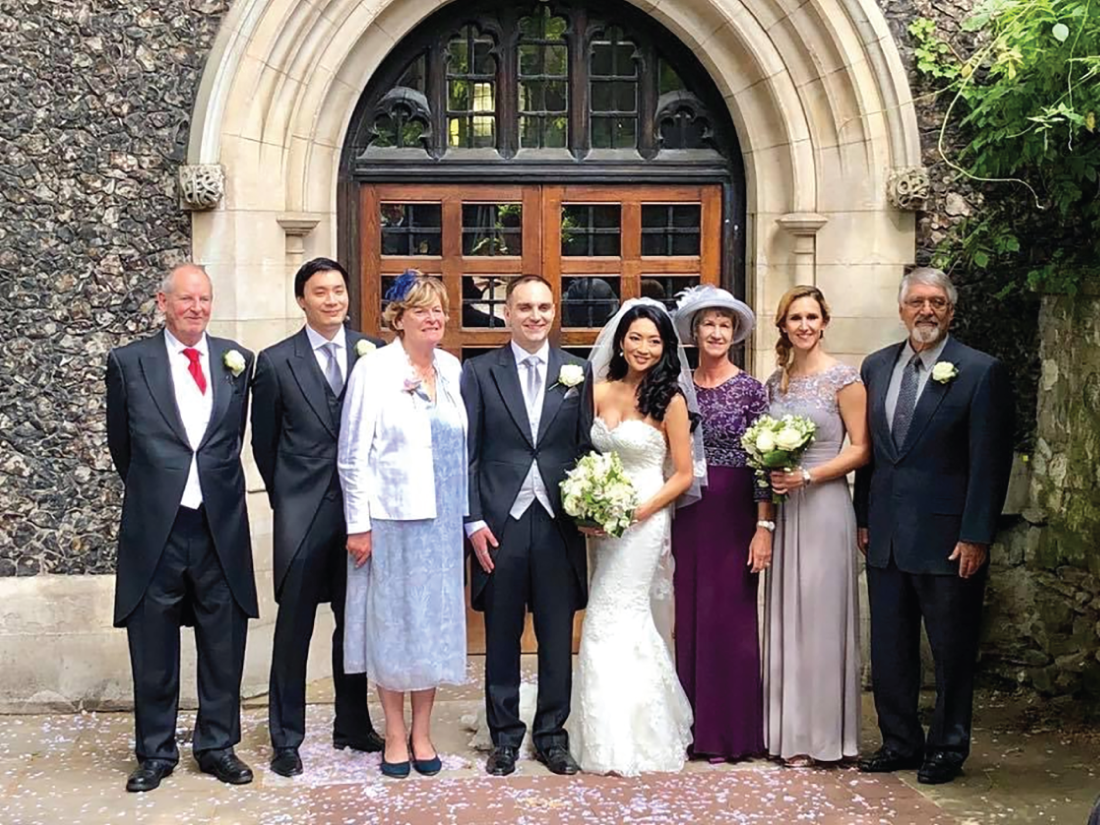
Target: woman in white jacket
column 403, row 471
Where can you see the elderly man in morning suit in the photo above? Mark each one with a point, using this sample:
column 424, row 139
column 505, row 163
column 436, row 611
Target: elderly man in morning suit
column 298, row 396
column 177, row 403
column 927, row 508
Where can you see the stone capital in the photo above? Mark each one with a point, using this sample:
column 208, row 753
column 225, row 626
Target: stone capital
column 908, row 188
column 202, row 186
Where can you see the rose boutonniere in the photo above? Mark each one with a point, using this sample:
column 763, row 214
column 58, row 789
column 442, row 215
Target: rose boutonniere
column 571, row 375
column 234, row 362
column 363, row 347
column 944, row 372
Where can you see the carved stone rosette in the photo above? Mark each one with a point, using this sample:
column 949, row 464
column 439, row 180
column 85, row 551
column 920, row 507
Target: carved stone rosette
column 201, row 186
column 908, row 188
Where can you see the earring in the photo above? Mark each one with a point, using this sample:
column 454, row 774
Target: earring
column 621, row 355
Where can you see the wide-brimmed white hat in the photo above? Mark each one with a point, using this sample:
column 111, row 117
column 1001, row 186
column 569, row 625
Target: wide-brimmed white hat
column 698, row 298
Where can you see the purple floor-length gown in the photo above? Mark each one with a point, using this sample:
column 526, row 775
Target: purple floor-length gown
column 717, row 648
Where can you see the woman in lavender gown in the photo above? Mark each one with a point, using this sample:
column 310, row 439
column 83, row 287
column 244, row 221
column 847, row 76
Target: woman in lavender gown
column 811, row 609
column 722, row 542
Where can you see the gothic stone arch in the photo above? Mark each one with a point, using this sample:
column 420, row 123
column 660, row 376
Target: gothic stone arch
column 816, row 90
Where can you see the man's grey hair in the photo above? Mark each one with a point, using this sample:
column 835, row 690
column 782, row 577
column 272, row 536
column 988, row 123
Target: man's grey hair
column 928, row 276
column 167, row 283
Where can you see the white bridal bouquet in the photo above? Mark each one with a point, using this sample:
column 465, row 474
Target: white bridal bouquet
column 599, row 493
column 773, row 444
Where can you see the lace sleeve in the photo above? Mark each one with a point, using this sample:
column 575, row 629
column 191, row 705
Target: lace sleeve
column 845, row 375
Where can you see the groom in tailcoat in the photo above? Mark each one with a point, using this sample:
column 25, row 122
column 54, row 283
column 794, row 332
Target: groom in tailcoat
column 297, row 398
column 530, row 412
column 176, row 410
column 927, row 507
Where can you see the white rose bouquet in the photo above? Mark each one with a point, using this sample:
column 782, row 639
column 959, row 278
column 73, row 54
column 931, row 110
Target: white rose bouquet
column 772, row 444
column 598, row 493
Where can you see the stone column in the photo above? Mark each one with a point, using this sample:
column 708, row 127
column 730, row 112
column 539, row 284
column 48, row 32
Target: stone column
column 297, row 226
column 804, row 227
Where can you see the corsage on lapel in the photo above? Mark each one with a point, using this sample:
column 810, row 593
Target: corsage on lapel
column 944, row 372
column 363, row 347
column 570, row 376
column 234, row 362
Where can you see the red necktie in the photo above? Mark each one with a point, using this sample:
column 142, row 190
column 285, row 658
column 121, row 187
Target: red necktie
column 195, row 368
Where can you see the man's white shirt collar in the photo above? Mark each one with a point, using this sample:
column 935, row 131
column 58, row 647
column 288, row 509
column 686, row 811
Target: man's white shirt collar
column 543, row 353
column 176, row 346
column 317, row 340
column 928, row 357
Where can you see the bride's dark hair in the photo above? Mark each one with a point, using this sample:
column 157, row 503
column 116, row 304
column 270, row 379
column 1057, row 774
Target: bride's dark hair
column 662, row 381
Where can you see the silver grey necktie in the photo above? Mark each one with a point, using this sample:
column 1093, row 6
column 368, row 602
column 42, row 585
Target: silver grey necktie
column 907, row 400
column 532, row 388
column 332, row 369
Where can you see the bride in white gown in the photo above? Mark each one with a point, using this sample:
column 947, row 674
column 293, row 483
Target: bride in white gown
column 629, row 712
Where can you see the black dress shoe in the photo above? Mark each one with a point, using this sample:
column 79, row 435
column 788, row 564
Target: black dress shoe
column 226, row 767
column 371, row 743
column 558, row 760
column 147, row 775
column 287, row 762
column 939, row 768
column 885, row 760
column 501, row 762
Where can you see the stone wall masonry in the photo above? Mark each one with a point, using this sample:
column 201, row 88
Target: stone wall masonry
column 96, row 100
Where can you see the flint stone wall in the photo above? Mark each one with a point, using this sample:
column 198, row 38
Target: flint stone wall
column 97, row 100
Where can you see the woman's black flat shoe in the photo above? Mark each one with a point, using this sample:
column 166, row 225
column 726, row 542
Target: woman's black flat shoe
column 428, row 767
column 395, row 770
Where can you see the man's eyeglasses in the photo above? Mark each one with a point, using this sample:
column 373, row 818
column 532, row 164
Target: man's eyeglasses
column 938, row 304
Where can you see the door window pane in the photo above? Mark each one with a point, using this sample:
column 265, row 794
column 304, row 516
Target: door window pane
column 671, row 229
column 411, row 228
column 590, row 229
column 589, row 301
column 492, row 229
column 483, row 300
column 665, row 288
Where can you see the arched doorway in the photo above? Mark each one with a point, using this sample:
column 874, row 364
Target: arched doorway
column 580, row 141
column 816, row 89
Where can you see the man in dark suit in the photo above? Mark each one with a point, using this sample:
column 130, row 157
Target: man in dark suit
column 298, row 396
column 927, row 507
column 530, row 411
column 176, row 410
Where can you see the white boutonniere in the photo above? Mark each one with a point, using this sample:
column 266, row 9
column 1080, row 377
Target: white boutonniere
column 234, row 362
column 363, row 346
column 571, row 375
column 944, row 372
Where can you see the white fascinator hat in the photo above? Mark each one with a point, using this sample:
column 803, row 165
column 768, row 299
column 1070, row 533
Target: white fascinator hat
column 692, row 301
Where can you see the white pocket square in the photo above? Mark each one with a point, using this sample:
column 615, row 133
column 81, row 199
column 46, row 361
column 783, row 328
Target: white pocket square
column 569, row 393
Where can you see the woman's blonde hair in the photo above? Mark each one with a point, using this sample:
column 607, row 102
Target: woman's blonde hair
column 424, row 292
column 783, row 346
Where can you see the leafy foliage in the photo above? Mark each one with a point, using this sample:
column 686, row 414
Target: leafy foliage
column 1025, row 99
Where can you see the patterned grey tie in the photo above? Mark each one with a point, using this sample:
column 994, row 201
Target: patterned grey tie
column 531, row 390
column 332, row 369
column 907, row 400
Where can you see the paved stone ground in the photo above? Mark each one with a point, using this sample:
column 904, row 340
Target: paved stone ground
column 71, row 769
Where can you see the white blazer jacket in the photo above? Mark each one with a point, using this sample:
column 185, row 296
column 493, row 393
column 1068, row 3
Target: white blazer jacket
column 385, row 457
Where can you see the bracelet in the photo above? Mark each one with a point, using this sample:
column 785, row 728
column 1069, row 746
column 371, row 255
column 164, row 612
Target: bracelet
column 807, row 479
column 767, row 525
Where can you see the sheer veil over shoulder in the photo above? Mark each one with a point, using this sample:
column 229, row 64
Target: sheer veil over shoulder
column 630, row 713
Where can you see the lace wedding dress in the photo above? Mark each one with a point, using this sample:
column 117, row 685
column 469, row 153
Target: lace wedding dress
column 629, row 712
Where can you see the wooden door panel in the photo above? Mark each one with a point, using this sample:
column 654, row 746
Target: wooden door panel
column 542, row 254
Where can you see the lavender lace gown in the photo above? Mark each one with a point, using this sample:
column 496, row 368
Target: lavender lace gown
column 811, row 607
column 717, row 647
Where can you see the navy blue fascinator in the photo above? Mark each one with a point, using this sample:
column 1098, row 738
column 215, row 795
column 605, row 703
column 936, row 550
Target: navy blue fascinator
column 402, row 285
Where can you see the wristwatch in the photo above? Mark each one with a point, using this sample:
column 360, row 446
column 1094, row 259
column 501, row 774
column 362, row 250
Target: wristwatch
column 767, row 525
column 807, row 479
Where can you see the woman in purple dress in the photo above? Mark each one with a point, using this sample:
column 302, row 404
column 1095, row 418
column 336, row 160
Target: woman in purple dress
column 723, row 542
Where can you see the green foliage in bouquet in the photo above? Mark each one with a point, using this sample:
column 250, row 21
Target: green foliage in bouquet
column 776, row 444
column 599, row 493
